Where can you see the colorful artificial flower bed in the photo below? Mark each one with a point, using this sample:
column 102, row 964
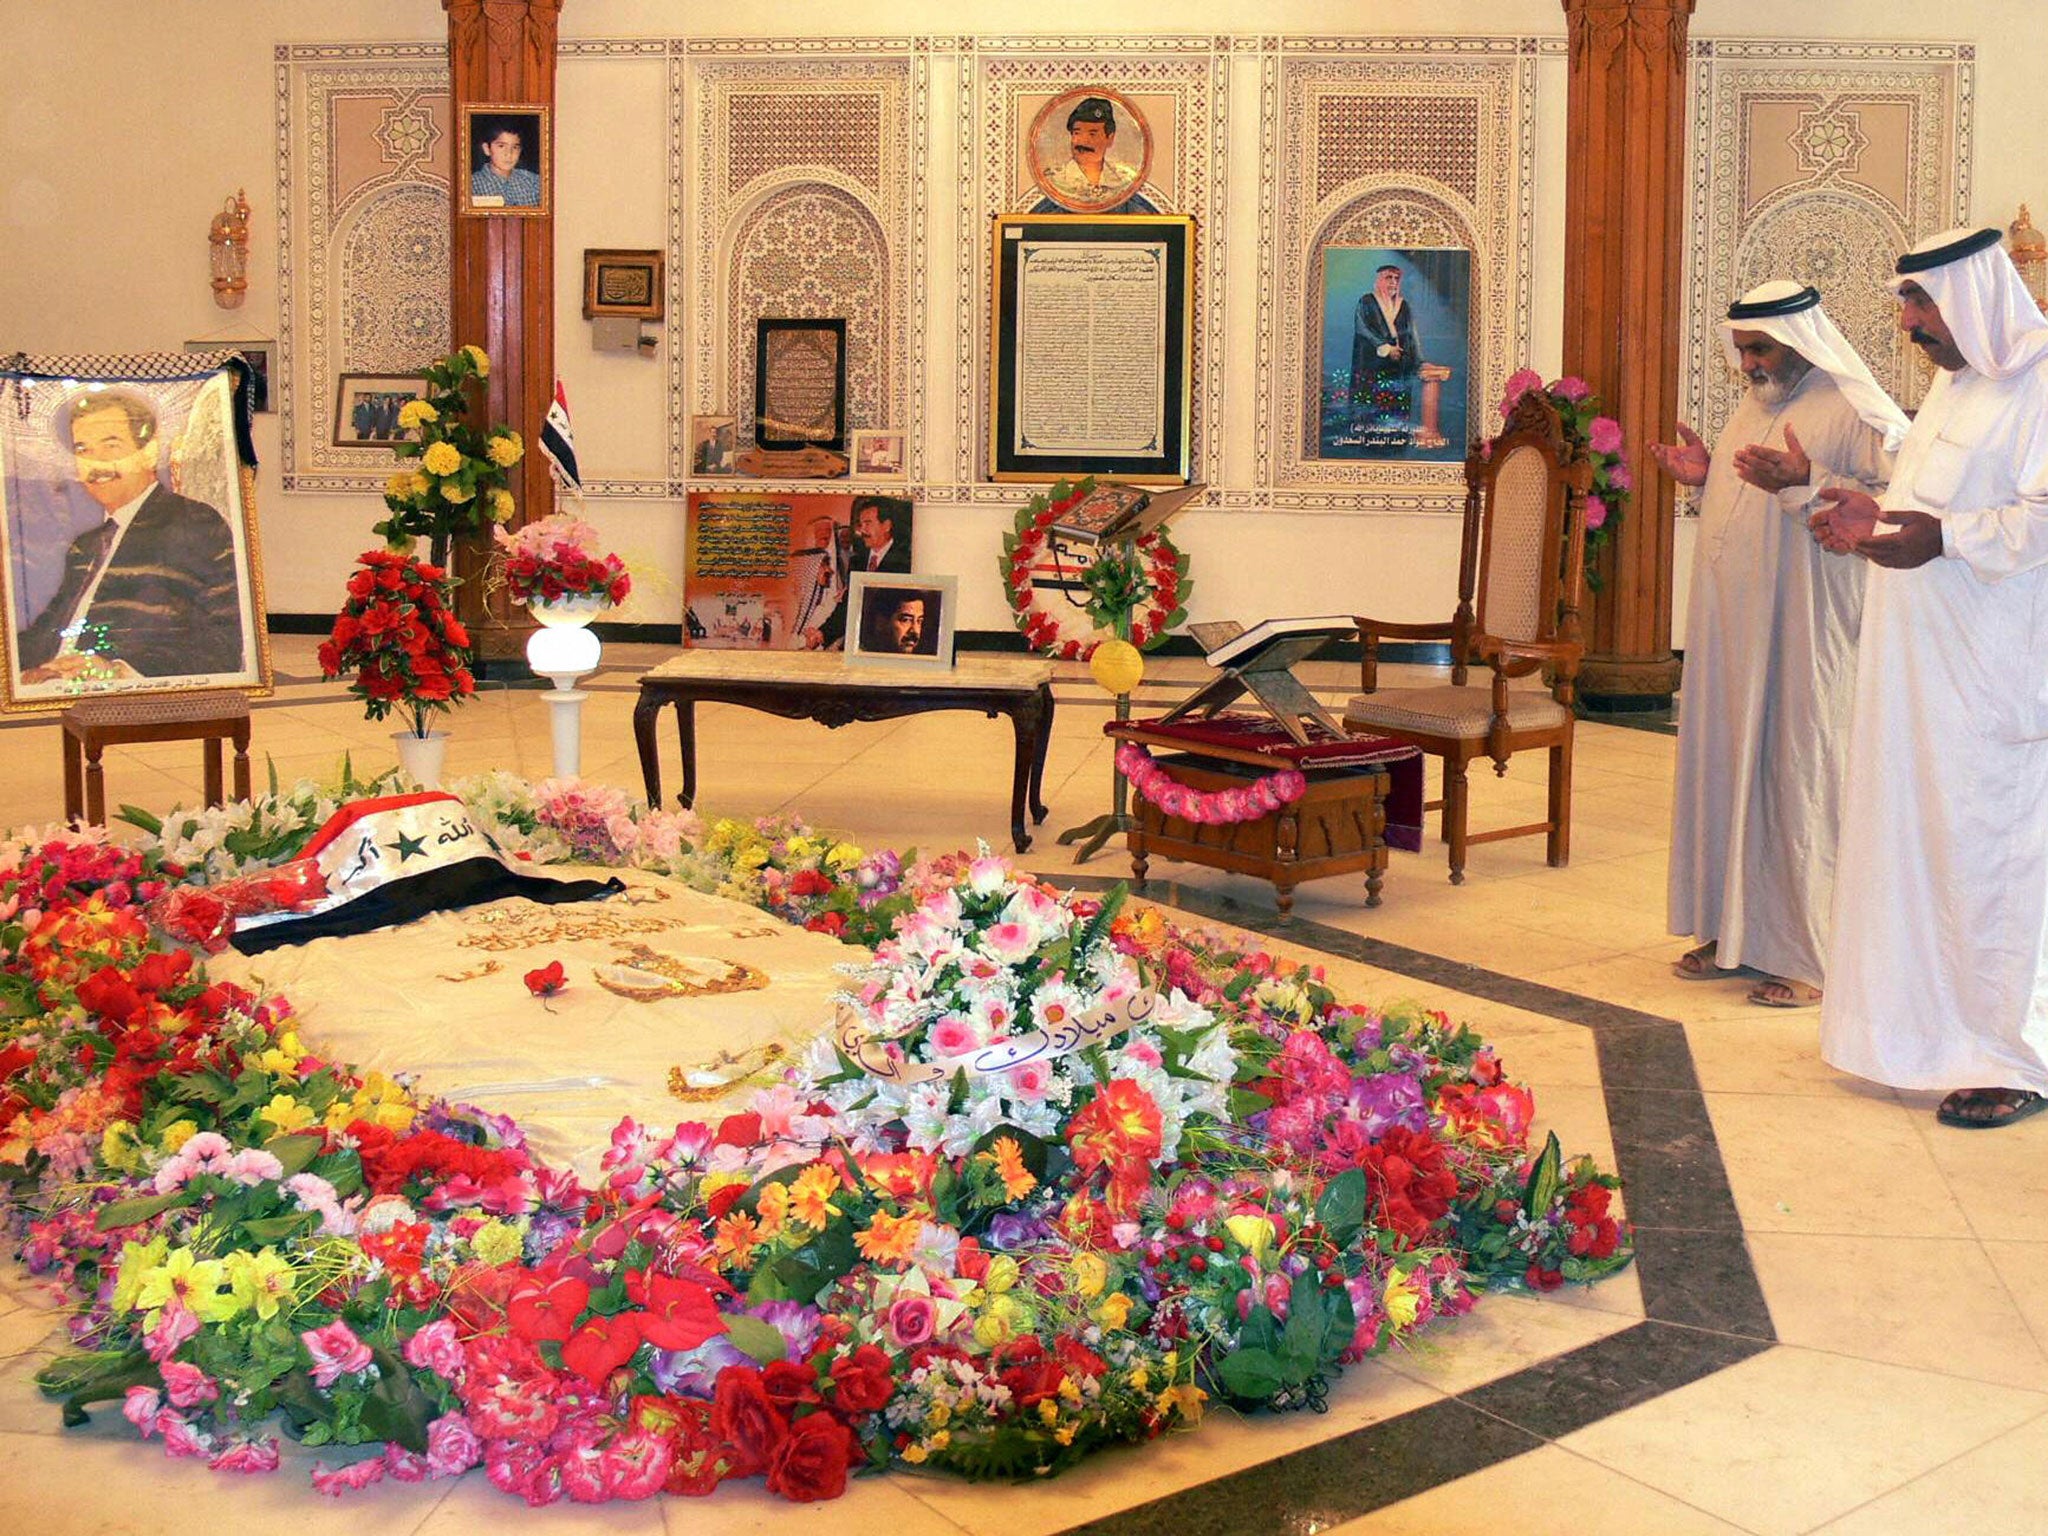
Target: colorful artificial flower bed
column 1066, row 1172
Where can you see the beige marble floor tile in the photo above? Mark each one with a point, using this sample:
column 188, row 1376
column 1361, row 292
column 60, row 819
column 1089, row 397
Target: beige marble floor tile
column 1792, row 1438
column 1500, row 1336
column 105, row 1480
column 1998, row 1489
column 1762, row 1051
column 1548, row 1492
column 2023, row 1269
column 1938, row 1306
column 2000, row 1178
column 1876, row 1177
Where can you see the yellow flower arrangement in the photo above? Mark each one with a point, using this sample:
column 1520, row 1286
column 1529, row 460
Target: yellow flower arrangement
column 454, row 486
column 415, row 414
column 442, row 458
column 505, row 448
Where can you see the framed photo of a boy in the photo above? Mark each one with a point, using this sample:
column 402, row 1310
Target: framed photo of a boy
column 506, row 168
column 901, row 620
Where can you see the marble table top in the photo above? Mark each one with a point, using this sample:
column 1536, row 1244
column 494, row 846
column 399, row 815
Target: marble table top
column 832, row 669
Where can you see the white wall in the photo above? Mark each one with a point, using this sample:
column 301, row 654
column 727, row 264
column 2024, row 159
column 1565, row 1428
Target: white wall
column 126, row 124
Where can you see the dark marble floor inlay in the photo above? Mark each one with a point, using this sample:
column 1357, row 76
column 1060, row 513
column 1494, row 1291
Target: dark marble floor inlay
column 1704, row 1308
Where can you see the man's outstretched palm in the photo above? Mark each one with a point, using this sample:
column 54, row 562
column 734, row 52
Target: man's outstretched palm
column 1687, row 461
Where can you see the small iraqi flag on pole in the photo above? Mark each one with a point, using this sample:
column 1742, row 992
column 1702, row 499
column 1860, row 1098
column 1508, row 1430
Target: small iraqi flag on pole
column 558, row 442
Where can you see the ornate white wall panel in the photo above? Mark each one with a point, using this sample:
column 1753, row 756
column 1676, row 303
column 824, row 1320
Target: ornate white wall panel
column 1819, row 162
column 804, row 196
column 1390, row 141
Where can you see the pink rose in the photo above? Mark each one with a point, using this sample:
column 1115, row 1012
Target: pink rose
column 954, row 1036
column 141, row 1407
column 1030, row 1080
column 247, row 1456
column 403, row 1466
column 336, row 1352
column 1572, row 388
column 435, row 1348
column 187, row 1385
column 1008, row 942
column 452, row 1446
column 1520, row 382
column 174, row 1325
column 1620, row 478
column 1604, row 435
column 180, row 1438
column 1596, row 513
column 911, row 1320
column 335, row 1481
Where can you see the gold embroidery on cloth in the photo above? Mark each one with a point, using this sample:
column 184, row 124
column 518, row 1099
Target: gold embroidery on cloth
column 644, row 975
column 701, row 1085
column 477, row 973
column 507, row 927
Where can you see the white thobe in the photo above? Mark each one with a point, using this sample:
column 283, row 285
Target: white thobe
column 1937, row 969
column 1770, row 664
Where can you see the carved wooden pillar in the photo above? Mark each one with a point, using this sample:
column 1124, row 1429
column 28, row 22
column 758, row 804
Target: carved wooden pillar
column 503, row 289
column 1624, row 258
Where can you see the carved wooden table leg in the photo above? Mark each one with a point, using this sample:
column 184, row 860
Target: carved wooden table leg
column 645, row 714
column 686, row 734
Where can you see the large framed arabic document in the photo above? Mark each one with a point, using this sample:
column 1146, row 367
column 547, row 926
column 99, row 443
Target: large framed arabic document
column 1092, row 347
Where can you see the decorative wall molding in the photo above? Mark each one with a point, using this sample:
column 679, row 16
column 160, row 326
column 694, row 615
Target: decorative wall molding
column 802, row 201
column 1003, row 82
column 1819, row 161
column 1395, row 141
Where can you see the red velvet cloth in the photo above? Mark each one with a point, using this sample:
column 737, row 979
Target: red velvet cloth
column 1324, row 753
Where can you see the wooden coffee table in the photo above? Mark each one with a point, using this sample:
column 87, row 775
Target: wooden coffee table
column 807, row 685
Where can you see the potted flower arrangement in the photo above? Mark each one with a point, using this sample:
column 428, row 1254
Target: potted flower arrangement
column 398, row 634
column 1598, row 437
column 454, row 484
column 556, row 567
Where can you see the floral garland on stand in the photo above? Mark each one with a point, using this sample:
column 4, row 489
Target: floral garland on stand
column 560, row 559
column 1598, row 437
column 1208, row 807
column 1136, row 592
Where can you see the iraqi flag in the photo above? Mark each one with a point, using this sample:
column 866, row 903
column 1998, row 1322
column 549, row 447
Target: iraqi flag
column 558, row 442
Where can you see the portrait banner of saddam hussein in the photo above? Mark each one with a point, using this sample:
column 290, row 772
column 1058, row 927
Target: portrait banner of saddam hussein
column 129, row 536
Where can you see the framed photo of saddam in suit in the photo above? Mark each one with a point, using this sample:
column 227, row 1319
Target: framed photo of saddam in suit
column 128, row 555
column 1092, row 347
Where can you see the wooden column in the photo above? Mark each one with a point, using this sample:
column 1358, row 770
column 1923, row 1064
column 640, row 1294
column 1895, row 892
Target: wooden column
column 503, row 288
column 1623, row 258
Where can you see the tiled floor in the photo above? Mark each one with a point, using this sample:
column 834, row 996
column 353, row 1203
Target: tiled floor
column 1840, row 1318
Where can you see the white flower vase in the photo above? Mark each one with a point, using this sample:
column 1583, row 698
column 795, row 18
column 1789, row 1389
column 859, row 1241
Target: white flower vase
column 422, row 757
column 569, row 612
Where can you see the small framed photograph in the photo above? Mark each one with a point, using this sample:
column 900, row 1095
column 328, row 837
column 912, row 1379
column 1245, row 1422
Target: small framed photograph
column 800, row 383
column 878, row 455
column 714, row 445
column 259, row 355
column 901, row 620
column 506, row 166
column 622, row 284
column 366, row 407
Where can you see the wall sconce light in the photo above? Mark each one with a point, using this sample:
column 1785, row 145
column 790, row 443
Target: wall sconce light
column 229, row 244
column 2029, row 251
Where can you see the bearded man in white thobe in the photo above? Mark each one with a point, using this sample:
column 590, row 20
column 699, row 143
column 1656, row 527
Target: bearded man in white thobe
column 1938, row 962
column 1770, row 652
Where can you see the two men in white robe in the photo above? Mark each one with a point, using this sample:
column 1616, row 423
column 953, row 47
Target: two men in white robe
column 1937, row 969
column 1770, row 656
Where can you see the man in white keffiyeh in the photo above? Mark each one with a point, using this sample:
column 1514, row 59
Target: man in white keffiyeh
column 1770, row 653
column 1938, row 963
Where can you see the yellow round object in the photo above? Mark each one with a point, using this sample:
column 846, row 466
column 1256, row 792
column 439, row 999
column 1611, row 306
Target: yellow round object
column 1117, row 665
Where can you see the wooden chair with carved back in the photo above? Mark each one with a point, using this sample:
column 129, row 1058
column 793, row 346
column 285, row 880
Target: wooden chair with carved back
column 1521, row 583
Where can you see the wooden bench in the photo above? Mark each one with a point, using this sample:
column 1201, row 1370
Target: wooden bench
column 93, row 725
column 810, row 685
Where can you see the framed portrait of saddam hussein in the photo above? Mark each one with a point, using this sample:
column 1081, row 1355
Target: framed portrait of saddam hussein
column 128, row 554
column 1091, row 348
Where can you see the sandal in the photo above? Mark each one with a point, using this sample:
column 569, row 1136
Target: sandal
column 1986, row 1109
column 1697, row 964
column 1777, row 992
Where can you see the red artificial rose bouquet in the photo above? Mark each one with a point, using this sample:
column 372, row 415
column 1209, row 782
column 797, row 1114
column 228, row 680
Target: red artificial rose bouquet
column 398, row 634
column 559, row 557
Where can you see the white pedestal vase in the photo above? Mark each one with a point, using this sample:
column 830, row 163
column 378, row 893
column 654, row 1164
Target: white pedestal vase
column 422, row 757
column 564, row 650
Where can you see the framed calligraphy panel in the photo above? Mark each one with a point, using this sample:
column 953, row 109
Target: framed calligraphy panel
column 1092, row 353
column 800, row 384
